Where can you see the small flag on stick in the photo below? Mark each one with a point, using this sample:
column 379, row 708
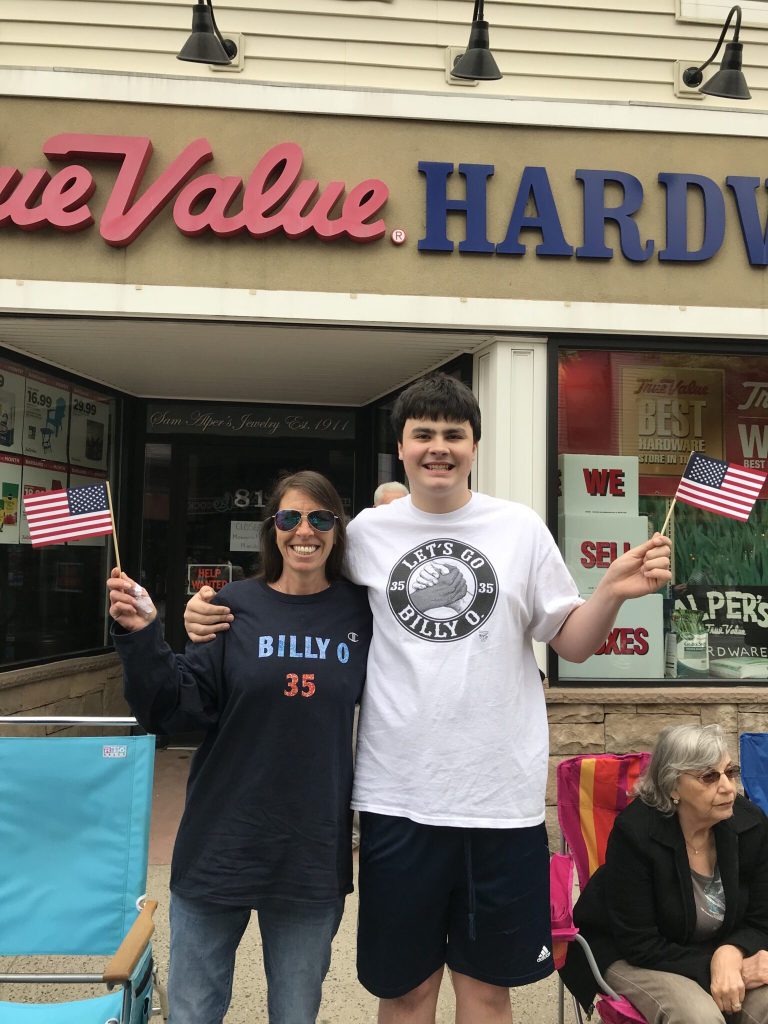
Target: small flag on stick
column 721, row 487
column 56, row 516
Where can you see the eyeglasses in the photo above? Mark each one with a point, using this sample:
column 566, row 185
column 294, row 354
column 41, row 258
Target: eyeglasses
column 320, row 519
column 709, row 778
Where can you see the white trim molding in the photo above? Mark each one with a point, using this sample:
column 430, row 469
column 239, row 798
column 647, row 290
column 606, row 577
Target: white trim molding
column 236, row 94
column 75, row 298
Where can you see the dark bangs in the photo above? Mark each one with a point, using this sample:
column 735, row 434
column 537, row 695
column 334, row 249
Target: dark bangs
column 436, row 397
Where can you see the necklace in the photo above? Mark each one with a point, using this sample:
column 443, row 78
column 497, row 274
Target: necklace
column 696, row 850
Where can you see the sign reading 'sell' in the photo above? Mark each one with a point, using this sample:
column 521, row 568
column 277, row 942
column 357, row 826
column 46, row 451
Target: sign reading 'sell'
column 276, row 199
column 598, row 522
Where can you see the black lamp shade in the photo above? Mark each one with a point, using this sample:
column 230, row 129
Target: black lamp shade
column 477, row 62
column 729, row 81
column 204, row 45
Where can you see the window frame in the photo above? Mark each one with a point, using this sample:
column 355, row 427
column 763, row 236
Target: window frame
column 703, row 347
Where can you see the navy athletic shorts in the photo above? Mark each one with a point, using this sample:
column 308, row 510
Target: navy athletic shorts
column 476, row 899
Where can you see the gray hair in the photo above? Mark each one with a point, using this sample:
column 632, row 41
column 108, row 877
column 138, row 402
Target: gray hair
column 679, row 748
column 391, row 487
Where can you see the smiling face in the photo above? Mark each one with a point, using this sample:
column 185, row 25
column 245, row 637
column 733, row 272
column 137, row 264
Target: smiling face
column 701, row 804
column 438, row 456
column 304, row 550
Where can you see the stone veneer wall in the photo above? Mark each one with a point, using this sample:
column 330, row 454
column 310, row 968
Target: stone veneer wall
column 595, row 721
column 80, row 686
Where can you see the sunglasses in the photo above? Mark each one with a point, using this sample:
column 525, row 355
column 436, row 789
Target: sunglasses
column 321, row 519
column 732, row 773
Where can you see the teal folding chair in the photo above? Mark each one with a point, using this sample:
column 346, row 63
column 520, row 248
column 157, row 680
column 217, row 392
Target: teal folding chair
column 74, row 835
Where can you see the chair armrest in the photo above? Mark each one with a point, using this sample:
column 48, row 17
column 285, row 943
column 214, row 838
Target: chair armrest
column 121, row 965
column 602, row 984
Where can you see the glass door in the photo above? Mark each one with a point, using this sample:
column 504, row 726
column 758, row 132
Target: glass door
column 203, row 507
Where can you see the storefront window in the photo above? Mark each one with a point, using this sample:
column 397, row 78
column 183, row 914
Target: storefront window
column 628, row 422
column 54, row 433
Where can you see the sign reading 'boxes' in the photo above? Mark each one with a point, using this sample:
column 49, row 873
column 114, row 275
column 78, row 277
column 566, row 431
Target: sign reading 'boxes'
column 595, row 484
column 632, row 650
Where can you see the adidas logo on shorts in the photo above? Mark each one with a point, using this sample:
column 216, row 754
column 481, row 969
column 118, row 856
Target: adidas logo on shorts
column 543, row 955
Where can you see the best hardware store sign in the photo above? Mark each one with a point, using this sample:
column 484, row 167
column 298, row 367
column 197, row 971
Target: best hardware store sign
column 278, row 198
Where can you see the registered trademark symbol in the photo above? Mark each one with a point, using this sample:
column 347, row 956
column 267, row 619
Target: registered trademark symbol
column 398, row 236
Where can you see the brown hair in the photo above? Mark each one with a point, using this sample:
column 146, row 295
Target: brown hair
column 321, row 490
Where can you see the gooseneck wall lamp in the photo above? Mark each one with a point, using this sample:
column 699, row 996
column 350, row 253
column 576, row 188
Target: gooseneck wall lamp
column 729, row 81
column 477, row 61
column 206, row 45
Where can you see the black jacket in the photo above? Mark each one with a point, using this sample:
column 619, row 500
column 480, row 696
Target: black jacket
column 639, row 906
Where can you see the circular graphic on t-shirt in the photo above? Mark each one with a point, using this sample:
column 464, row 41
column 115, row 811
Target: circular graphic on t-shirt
column 442, row 590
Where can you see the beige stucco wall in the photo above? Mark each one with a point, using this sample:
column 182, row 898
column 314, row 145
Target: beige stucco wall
column 353, row 149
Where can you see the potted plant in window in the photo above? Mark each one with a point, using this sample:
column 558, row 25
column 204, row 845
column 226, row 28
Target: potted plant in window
column 691, row 640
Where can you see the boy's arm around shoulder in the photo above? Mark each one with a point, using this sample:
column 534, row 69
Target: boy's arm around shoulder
column 205, row 615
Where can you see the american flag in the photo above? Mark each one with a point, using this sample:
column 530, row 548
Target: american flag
column 722, row 487
column 56, row 516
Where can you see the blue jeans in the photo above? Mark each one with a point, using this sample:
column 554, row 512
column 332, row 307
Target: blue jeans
column 296, row 941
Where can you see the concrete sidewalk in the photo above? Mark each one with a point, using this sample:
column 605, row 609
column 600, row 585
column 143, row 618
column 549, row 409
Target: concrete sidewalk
column 344, row 1001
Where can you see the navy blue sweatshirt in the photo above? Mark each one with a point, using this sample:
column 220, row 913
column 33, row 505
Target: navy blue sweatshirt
column 267, row 809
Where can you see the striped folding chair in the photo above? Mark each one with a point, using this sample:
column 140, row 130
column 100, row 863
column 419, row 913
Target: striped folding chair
column 591, row 790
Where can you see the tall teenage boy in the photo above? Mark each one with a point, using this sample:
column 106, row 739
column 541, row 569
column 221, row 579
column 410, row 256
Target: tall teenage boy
column 452, row 743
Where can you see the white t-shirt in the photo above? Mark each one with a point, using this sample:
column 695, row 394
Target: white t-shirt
column 453, row 724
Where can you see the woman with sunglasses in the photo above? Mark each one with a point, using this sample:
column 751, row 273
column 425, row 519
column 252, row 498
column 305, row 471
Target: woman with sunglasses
column 678, row 915
column 267, row 824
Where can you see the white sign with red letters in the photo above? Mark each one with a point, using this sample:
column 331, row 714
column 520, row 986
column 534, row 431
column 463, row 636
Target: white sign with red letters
column 633, row 649
column 598, row 484
column 590, row 543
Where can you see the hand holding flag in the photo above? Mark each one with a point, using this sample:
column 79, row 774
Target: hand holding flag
column 129, row 603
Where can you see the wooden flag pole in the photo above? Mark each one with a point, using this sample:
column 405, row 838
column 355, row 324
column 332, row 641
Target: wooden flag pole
column 672, row 506
column 114, row 531
column 669, row 515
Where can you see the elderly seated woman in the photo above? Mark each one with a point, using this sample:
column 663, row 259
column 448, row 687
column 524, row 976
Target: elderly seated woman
column 677, row 917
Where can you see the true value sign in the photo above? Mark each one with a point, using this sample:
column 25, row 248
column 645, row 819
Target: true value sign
column 275, row 198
